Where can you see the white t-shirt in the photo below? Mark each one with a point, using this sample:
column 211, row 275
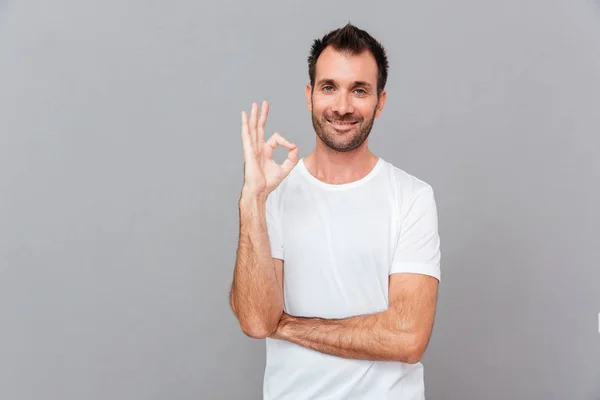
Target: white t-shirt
column 339, row 244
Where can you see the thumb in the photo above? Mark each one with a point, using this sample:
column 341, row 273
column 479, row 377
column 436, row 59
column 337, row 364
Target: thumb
column 292, row 158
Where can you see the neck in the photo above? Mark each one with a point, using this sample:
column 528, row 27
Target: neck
column 338, row 168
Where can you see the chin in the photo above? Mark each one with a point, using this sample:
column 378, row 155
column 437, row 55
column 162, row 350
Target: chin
column 343, row 145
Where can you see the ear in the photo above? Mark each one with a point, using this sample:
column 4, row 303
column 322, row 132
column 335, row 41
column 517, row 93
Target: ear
column 380, row 103
column 308, row 94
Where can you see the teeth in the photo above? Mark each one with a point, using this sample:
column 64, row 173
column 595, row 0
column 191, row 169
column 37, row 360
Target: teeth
column 342, row 123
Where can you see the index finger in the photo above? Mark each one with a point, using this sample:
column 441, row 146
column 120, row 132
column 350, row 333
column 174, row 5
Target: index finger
column 246, row 142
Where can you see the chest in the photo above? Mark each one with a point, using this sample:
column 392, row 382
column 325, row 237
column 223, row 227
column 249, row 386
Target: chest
column 337, row 254
column 353, row 234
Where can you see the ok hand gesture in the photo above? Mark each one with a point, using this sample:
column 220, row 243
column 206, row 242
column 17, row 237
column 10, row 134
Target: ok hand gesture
column 261, row 173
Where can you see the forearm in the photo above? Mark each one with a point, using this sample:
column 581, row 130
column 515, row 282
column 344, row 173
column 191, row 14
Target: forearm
column 256, row 297
column 376, row 337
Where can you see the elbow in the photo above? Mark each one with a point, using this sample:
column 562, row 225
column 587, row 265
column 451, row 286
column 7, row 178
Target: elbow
column 257, row 329
column 412, row 351
column 252, row 324
column 412, row 358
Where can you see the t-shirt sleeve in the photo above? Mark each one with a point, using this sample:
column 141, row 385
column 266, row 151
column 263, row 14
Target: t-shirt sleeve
column 273, row 213
column 418, row 246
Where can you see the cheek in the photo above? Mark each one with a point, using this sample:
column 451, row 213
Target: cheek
column 319, row 107
column 322, row 101
column 366, row 109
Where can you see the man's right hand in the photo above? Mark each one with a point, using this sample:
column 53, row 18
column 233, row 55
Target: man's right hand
column 261, row 173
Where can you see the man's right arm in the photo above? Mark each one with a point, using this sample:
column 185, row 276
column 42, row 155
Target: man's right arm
column 256, row 293
column 256, row 296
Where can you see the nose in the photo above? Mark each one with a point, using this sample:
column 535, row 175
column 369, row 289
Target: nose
column 343, row 104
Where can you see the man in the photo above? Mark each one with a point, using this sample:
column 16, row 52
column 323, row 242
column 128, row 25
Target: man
column 338, row 261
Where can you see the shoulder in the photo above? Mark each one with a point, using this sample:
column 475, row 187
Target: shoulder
column 408, row 185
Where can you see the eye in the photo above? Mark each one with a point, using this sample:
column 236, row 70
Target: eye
column 326, row 88
column 361, row 90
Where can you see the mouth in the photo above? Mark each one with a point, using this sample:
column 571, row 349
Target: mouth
column 342, row 125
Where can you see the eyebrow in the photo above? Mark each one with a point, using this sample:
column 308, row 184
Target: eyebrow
column 332, row 82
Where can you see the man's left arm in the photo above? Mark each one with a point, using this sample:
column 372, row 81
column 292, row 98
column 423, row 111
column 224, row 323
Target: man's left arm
column 401, row 333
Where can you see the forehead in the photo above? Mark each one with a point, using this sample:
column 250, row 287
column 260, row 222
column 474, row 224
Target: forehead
column 346, row 67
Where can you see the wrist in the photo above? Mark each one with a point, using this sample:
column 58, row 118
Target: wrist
column 252, row 200
column 287, row 323
column 282, row 331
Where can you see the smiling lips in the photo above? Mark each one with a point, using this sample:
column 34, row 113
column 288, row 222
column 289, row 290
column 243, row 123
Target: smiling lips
column 342, row 125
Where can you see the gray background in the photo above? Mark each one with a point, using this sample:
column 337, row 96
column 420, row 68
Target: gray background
column 121, row 166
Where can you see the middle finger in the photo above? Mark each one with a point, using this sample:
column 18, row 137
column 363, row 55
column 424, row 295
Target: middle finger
column 253, row 120
column 264, row 112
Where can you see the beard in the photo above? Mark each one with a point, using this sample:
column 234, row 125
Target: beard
column 342, row 141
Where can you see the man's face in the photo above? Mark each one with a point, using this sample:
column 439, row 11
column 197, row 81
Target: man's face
column 343, row 101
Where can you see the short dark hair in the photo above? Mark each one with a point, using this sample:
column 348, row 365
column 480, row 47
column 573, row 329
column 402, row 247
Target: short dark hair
column 353, row 40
